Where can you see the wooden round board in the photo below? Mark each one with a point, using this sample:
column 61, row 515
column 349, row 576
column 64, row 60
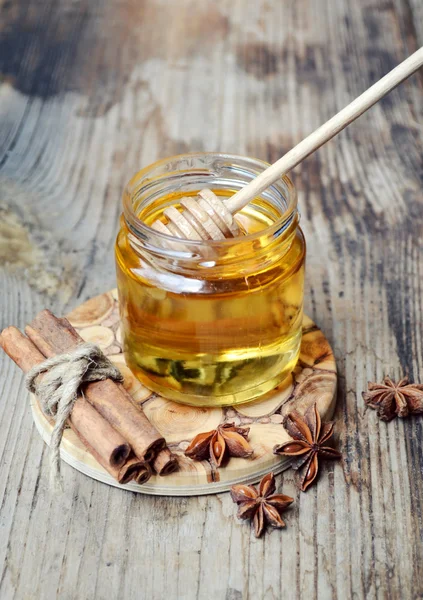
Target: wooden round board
column 314, row 379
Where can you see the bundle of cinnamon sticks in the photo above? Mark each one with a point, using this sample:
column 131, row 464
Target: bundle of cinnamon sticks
column 114, row 430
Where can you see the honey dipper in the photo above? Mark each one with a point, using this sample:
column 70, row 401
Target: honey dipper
column 208, row 218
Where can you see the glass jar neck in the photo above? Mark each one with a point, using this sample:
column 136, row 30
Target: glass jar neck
column 163, row 183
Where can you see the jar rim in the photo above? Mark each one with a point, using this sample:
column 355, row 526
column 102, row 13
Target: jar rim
column 139, row 227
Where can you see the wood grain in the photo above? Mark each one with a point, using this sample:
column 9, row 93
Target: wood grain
column 93, row 90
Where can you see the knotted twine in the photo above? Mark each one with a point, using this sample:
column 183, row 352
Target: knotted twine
column 63, row 377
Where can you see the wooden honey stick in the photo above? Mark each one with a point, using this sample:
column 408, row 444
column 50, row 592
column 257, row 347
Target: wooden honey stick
column 208, row 218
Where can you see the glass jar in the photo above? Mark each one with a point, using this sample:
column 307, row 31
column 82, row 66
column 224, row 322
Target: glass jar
column 210, row 323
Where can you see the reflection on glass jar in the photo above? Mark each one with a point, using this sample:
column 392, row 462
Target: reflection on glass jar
column 210, row 323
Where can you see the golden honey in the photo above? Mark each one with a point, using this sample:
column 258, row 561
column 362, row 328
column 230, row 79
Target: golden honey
column 214, row 323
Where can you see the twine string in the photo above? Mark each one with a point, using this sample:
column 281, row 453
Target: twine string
column 63, row 377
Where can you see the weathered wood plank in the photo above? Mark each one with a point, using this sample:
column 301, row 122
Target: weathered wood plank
column 90, row 91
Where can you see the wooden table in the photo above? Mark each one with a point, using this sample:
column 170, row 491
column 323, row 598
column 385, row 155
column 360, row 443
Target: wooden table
column 93, row 90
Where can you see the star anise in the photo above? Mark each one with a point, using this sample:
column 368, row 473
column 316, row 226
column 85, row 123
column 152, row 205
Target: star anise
column 261, row 505
column 309, row 435
column 392, row 399
column 221, row 443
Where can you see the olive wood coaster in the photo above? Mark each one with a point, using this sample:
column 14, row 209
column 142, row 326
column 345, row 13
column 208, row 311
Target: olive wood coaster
column 313, row 380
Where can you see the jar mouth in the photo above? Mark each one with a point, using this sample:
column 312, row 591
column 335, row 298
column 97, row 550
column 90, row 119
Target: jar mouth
column 145, row 183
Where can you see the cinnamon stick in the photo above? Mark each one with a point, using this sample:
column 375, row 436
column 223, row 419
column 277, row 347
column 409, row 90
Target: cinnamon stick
column 132, row 469
column 85, row 420
column 53, row 336
column 143, row 476
column 165, row 462
column 136, row 469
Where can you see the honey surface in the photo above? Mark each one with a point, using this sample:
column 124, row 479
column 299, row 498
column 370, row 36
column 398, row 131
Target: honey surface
column 211, row 341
